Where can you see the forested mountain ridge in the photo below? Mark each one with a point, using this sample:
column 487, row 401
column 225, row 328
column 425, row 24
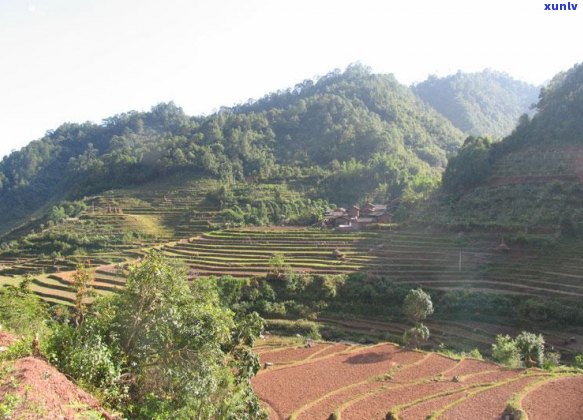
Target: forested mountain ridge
column 534, row 177
column 484, row 103
column 352, row 134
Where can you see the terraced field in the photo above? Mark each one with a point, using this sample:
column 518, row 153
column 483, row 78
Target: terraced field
column 348, row 381
column 182, row 212
column 436, row 261
column 246, row 252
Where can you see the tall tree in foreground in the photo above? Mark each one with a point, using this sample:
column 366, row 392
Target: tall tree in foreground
column 168, row 349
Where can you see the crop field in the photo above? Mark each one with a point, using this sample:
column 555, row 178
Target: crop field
column 435, row 261
column 180, row 212
column 246, row 252
column 348, row 381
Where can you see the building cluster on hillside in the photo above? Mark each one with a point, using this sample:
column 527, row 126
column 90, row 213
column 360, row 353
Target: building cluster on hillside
column 357, row 217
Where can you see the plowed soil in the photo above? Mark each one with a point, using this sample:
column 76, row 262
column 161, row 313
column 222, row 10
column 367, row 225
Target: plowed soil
column 550, row 400
column 358, row 382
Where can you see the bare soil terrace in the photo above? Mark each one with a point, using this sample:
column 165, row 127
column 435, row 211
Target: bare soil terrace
column 349, row 381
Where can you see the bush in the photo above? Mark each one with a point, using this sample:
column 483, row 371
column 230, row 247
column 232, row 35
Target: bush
column 506, row 352
column 531, row 348
column 413, row 336
column 17, row 350
column 579, row 361
column 552, row 360
column 302, row 327
column 21, row 311
column 526, row 350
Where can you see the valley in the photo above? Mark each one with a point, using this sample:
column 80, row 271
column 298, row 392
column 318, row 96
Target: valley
column 160, row 245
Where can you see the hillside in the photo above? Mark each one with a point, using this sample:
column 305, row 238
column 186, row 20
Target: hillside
column 30, row 388
column 345, row 136
column 530, row 181
column 485, row 103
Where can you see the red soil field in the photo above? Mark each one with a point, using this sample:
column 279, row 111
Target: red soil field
column 44, row 392
column 358, row 382
column 290, row 355
column 558, row 399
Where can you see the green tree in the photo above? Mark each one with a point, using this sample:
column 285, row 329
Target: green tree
column 57, row 214
column 277, row 266
column 82, row 285
column 169, row 346
column 21, row 311
column 417, row 307
column 470, row 167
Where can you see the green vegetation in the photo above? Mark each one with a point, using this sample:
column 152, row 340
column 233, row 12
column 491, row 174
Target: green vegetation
column 527, row 349
column 417, row 306
column 498, row 244
column 486, row 103
column 345, row 137
column 531, row 179
column 163, row 348
column 21, row 311
column 470, row 167
column 160, row 348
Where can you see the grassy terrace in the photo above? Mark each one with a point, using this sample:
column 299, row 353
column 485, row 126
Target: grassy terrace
column 417, row 258
column 180, row 212
column 240, row 252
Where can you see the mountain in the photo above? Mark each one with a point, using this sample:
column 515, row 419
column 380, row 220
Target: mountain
column 347, row 136
column 531, row 179
column 485, row 103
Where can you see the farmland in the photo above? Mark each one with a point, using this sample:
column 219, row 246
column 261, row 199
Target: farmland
column 349, row 381
column 441, row 262
column 438, row 261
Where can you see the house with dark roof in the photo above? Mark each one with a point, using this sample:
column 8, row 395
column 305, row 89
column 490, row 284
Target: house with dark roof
column 357, row 217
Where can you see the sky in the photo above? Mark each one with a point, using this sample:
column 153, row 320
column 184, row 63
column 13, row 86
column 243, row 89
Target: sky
column 85, row 60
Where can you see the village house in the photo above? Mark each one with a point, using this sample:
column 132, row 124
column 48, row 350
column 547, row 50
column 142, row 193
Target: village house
column 357, row 217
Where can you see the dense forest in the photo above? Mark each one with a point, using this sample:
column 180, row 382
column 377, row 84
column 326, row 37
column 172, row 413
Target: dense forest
column 350, row 134
column 485, row 103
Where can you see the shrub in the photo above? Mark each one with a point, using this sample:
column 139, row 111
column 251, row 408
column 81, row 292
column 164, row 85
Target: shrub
column 302, row 327
column 579, row 361
column 506, row 352
column 552, row 360
column 21, row 311
column 527, row 349
column 531, row 348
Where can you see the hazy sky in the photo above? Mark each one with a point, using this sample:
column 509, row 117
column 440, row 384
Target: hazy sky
column 79, row 60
